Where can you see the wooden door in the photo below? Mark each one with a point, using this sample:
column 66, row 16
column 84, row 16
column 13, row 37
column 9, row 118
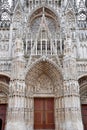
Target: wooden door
column 44, row 113
column 84, row 116
column 3, row 109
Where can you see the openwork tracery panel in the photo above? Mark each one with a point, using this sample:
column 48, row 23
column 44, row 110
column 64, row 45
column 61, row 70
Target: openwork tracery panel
column 43, row 36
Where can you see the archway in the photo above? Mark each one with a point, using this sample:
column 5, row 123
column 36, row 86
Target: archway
column 43, row 85
column 83, row 96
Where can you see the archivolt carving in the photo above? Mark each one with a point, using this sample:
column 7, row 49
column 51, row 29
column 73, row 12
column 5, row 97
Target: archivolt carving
column 44, row 60
column 83, row 89
column 3, row 92
column 43, row 77
column 4, row 88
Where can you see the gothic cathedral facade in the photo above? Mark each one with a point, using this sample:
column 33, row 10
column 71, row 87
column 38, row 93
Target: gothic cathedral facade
column 43, row 65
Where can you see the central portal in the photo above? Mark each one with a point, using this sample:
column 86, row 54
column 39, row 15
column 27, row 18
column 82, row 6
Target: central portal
column 44, row 113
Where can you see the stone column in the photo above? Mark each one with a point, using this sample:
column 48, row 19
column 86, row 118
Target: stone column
column 15, row 117
column 59, row 113
column 72, row 107
column 29, row 114
column 59, row 106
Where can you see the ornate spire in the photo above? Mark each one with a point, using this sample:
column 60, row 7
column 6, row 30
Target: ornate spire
column 82, row 6
column 6, row 5
column 5, row 9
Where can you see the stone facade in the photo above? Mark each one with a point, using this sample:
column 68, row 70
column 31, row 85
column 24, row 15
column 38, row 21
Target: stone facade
column 43, row 53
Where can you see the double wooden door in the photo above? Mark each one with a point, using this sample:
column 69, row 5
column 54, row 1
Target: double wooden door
column 44, row 113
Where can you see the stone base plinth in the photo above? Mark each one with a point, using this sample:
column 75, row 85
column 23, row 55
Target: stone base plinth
column 15, row 126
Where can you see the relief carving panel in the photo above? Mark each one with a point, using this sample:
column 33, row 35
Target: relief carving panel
column 43, row 85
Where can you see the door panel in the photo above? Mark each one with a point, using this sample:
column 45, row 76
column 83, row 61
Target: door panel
column 49, row 113
column 84, row 116
column 44, row 113
column 38, row 114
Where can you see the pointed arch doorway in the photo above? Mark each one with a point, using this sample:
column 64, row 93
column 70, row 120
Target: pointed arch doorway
column 43, row 88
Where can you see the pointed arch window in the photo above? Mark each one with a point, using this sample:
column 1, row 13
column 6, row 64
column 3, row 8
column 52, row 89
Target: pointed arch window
column 43, row 34
column 39, row 46
column 43, row 45
column 48, row 46
column 29, row 45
